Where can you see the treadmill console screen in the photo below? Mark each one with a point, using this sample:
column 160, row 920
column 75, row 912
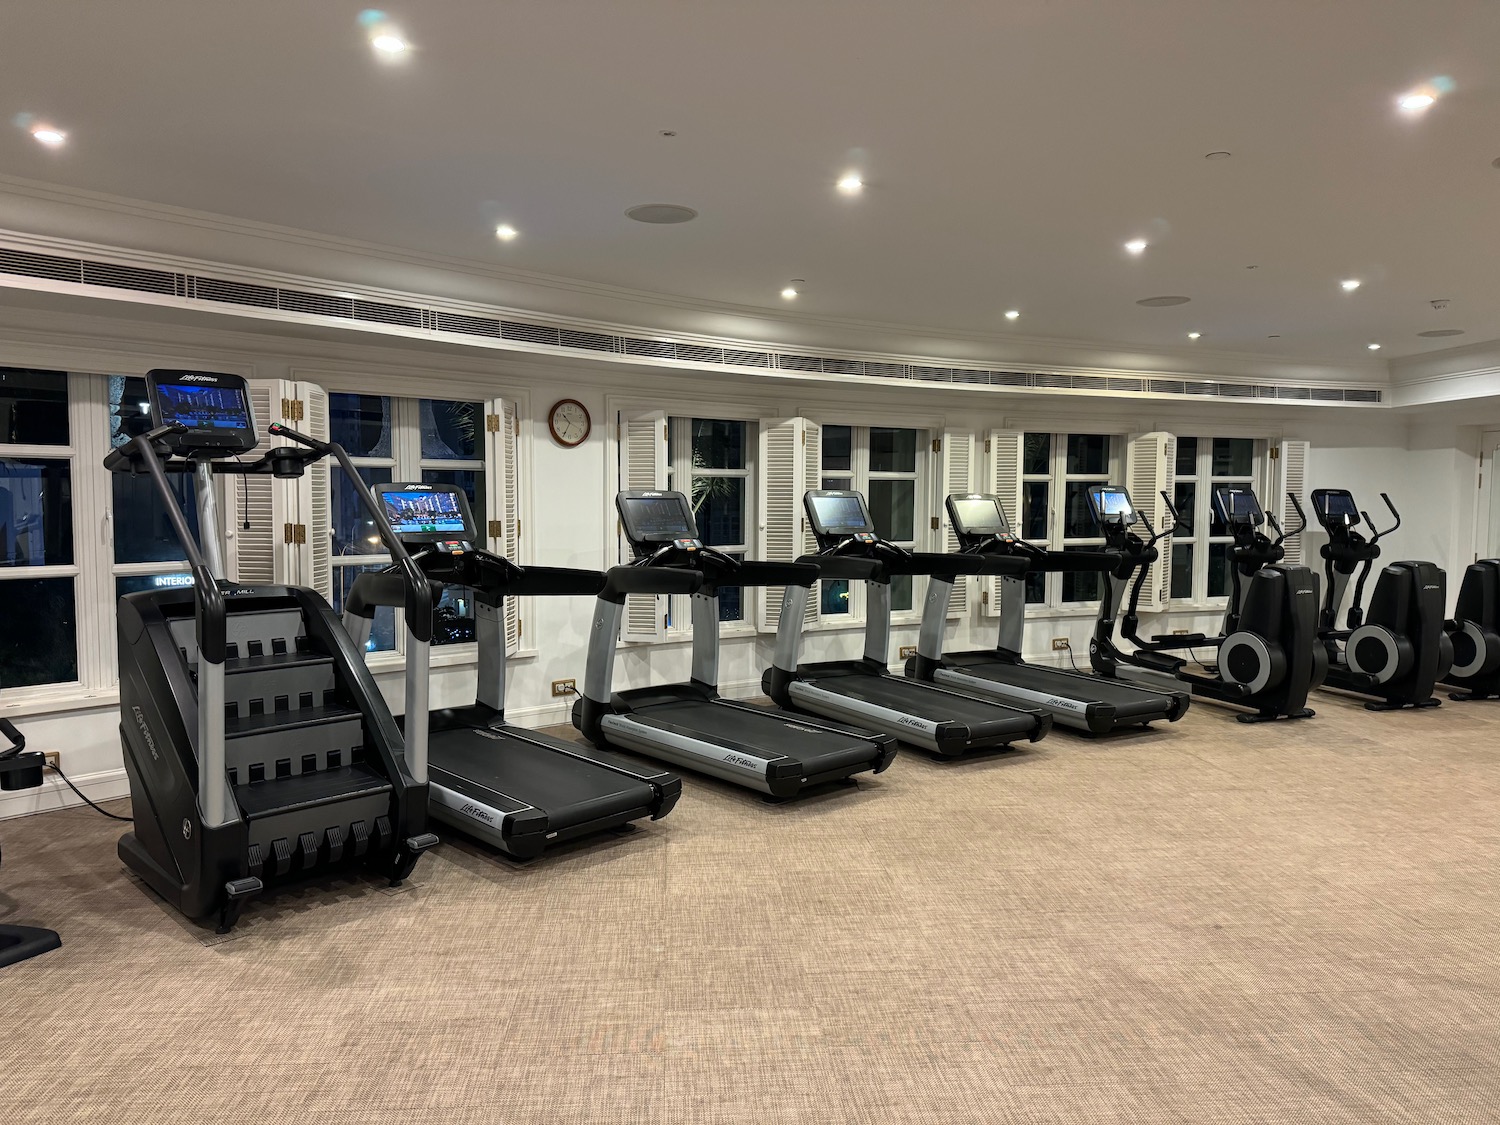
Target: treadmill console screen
column 427, row 513
column 977, row 515
column 1239, row 506
column 1111, row 504
column 656, row 517
column 1336, row 506
column 839, row 513
column 215, row 408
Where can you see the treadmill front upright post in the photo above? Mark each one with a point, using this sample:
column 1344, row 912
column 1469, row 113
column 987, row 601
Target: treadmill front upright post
column 934, row 619
column 599, row 671
column 1012, row 634
column 878, row 622
column 706, row 638
column 489, row 632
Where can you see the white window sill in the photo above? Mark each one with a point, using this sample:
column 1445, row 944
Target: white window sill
column 57, row 700
column 727, row 632
column 1213, row 605
column 447, row 656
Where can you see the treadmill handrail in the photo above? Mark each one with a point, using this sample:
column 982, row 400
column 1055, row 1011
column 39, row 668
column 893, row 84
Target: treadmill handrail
column 759, row 573
column 622, row 580
column 935, row 564
column 539, row 581
column 847, row 566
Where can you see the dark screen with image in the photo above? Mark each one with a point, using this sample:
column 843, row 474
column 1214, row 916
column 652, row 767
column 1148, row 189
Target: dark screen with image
column 203, row 408
column 1241, row 504
column 1113, row 502
column 840, row 515
column 658, row 517
column 980, row 517
column 1339, row 504
column 424, row 513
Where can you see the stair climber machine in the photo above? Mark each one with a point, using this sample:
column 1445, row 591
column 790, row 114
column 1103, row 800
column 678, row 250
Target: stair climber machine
column 1475, row 633
column 1267, row 658
column 690, row 724
column 1083, row 702
column 257, row 746
column 516, row 789
column 21, row 768
column 1399, row 650
column 946, row 722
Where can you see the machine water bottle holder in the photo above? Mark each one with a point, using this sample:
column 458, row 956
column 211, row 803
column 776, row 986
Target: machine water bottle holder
column 1476, row 651
column 1375, row 651
column 1249, row 660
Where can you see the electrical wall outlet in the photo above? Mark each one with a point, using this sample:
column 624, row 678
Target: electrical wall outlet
column 561, row 688
column 1179, row 632
column 54, row 758
column 908, row 651
column 1060, row 644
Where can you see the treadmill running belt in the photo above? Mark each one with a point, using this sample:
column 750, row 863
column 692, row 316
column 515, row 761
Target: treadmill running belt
column 1127, row 700
column 937, row 705
column 762, row 734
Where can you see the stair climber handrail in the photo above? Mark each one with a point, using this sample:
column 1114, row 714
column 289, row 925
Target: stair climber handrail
column 418, row 602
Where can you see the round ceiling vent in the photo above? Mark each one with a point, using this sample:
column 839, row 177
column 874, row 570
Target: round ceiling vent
column 662, row 213
column 1162, row 302
column 1435, row 333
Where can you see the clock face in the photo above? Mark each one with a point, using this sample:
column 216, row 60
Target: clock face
column 570, row 422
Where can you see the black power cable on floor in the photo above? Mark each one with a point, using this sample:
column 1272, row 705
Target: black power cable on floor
column 89, row 803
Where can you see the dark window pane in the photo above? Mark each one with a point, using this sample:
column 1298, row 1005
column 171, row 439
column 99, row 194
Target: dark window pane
column 892, row 451
column 1036, row 454
column 732, row 599
column 1216, row 524
column 143, row 530
column 840, row 483
column 38, row 632
column 450, row 430
column 1088, row 453
column 1187, row 456
column 838, row 448
column 354, row 532
column 135, row 583
column 383, row 634
column 1078, row 517
column 1082, row 585
column 719, row 509
column 33, row 407
column 129, row 415
column 893, row 508
column 1036, row 588
column 1233, row 457
column 361, row 424
column 1034, row 510
column 471, row 481
column 1185, row 498
column 36, row 513
column 718, row 444
column 1218, row 570
column 1182, row 570
column 835, row 596
column 453, row 617
column 901, row 597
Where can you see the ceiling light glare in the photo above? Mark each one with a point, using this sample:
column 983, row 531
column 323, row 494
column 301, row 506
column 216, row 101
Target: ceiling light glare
column 1418, row 100
column 52, row 138
column 1012, row 314
column 789, row 293
column 1194, row 335
column 1373, row 347
column 505, row 232
column 1136, row 246
column 851, row 184
column 389, row 44
column 1349, row 285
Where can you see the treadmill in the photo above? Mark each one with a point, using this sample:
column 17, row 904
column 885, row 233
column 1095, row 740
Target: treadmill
column 949, row 723
column 514, row 788
column 690, row 724
column 1075, row 699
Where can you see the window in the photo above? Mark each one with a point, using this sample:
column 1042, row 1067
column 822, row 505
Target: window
column 709, row 460
column 1056, row 473
column 434, row 441
column 1200, row 560
column 883, row 463
column 38, row 568
column 147, row 552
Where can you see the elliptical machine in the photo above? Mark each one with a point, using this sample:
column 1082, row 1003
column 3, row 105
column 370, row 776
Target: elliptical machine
column 1399, row 650
column 1267, row 657
column 1475, row 633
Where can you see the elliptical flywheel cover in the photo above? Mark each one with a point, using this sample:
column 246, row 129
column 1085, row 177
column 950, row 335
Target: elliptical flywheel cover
column 1247, row 659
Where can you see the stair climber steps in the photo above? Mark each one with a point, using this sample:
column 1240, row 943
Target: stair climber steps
column 258, row 799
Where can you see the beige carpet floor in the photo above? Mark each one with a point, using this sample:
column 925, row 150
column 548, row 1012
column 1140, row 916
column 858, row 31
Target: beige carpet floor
column 1208, row 923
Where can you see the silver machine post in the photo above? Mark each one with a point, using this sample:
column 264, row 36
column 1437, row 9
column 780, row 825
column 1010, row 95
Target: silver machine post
column 878, row 622
column 789, row 628
column 213, row 793
column 934, row 616
column 489, row 631
column 209, row 533
column 706, row 638
column 415, row 731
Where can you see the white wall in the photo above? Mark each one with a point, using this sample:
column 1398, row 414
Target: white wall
column 569, row 521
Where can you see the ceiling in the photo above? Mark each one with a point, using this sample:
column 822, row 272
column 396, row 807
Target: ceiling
column 1009, row 150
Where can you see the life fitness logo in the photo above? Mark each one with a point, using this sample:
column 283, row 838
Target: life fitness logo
column 200, row 379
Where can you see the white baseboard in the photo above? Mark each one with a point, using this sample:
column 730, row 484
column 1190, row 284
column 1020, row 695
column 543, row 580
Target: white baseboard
column 52, row 794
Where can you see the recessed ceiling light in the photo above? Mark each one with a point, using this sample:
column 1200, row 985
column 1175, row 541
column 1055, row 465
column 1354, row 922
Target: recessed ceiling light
column 390, row 44
column 1162, row 302
column 52, row 138
column 1194, row 335
column 1136, row 245
column 1349, row 285
column 1012, row 314
column 851, row 184
column 1416, row 100
column 1435, row 333
column 790, row 292
column 505, row 232
column 662, row 214
column 1373, row 347
column 1221, row 155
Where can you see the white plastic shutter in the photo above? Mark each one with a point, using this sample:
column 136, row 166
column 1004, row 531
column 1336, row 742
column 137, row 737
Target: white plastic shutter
column 314, row 501
column 1292, row 478
column 790, row 462
column 643, row 465
column 503, row 501
column 1005, row 449
column 1150, row 470
column 260, row 554
column 958, row 479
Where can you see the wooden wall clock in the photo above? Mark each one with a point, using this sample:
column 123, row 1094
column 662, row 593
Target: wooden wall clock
column 569, row 422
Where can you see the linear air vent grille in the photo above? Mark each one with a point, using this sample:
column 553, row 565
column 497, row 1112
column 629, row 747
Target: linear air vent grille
column 193, row 287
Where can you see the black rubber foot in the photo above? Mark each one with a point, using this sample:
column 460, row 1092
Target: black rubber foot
column 22, row 943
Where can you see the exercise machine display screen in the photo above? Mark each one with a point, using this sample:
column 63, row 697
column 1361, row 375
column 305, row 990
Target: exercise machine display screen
column 1336, row 505
column 658, row 517
column 1112, row 505
column 203, row 408
column 413, row 512
column 839, row 513
column 213, row 409
column 1239, row 505
column 978, row 515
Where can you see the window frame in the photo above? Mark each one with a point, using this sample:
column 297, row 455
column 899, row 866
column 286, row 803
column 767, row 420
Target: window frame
column 1057, row 478
column 679, row 467
column 1204, row 481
